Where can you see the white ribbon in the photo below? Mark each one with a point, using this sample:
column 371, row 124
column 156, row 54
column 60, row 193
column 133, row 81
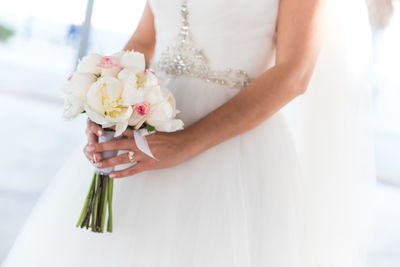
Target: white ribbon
column 107, row 136
column 141, row 143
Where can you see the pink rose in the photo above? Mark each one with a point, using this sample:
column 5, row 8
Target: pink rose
column 142, row 108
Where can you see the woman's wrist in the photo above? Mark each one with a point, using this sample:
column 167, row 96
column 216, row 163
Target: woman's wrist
column 189, row 143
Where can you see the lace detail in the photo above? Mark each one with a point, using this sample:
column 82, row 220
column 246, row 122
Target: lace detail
column 182, row 58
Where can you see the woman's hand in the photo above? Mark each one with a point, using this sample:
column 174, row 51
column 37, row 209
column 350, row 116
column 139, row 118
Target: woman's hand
column 169, row 149
column 93, row 131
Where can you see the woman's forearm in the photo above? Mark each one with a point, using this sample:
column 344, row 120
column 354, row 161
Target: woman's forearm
column 247, row 109
column 143, row 39
column 300, row 31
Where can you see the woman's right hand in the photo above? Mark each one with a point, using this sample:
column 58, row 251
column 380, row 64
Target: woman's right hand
column 93, row 131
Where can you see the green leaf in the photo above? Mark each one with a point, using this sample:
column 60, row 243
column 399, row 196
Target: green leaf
column 150, row 128
column 108, row 130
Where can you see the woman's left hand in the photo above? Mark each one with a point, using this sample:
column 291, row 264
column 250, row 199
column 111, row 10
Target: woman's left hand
column 169, row 149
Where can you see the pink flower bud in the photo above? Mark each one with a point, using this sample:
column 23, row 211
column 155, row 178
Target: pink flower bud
column 108, row 62
column 145, row 71
column 142, row 108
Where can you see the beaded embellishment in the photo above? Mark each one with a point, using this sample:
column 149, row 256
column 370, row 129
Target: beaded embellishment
column 182, row 58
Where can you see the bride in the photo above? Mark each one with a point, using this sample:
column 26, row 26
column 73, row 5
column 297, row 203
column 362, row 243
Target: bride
column 237, row 187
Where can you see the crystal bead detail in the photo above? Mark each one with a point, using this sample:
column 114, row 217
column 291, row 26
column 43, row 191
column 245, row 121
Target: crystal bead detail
column 182, row 58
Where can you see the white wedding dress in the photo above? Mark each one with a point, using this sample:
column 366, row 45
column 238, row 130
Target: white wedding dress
column 274, row 196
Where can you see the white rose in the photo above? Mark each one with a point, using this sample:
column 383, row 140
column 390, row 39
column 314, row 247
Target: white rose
column 89, row 64
column 107, row 104
column 74, row 92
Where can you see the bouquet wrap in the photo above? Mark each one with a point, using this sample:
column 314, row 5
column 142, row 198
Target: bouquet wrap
column 107, row 136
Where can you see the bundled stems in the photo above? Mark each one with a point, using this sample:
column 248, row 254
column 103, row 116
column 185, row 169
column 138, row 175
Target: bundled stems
column 98, row 200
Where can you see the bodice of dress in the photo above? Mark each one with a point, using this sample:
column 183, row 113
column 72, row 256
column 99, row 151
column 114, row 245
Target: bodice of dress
column 235, row 35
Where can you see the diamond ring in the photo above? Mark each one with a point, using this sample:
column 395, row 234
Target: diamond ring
column 130, row 156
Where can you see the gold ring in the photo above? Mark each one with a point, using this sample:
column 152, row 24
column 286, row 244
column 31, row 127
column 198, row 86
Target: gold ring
column 130, row 156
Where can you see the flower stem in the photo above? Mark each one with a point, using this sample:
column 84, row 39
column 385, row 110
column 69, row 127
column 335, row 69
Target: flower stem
column 100, row 204
column 86, row 204
column 96, row 202
column 110, row 197
column 104, row 202
column 86, row 220
column 90, row 210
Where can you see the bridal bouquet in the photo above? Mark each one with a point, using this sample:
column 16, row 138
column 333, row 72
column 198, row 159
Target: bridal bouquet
column 116, row 91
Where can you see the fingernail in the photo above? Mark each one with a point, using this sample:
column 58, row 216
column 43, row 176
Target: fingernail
column 112, row 175
column 95, row 158
column 100, row 132
column 98, row 164
column 90, row 148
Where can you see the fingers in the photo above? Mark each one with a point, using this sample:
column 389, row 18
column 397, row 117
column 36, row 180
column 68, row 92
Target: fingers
column 89, row 151
column 92, row 138
column 117, row 160
column 119, row 144
column 91, row 155
column 94, row 128
column 135, row 169
column 88, row 155
column 128, row 133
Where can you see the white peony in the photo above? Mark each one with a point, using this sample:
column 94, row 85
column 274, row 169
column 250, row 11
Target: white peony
column 109, row 66
column 118, row 56
column 140, row 87
column 162, row 118
column 108, row 105
column 71, row 108
column 89, row 64
column 74, row 92
column 157, row 109
column 133, row 60
column 142, row 79
column 170, row 98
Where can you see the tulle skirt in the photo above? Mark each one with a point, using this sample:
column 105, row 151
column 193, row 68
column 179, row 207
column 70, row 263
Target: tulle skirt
column 259, row 199
column 232, row 205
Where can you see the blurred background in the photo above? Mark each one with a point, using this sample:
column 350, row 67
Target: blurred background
column 40, row 42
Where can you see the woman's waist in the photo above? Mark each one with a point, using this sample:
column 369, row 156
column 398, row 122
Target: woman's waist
column 218, row 59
